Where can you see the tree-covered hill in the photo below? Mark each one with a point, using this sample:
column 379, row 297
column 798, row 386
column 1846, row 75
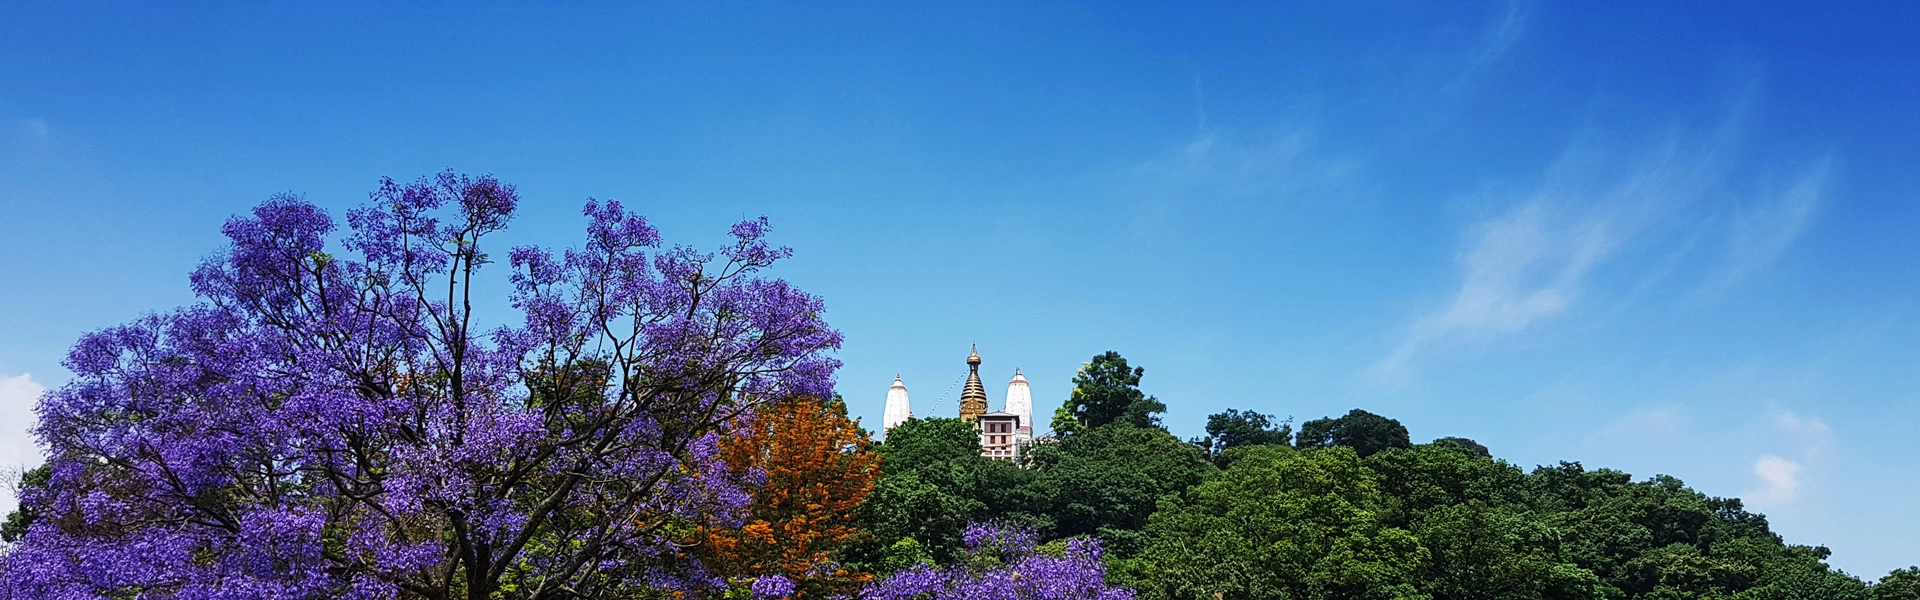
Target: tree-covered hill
column 1349, row 508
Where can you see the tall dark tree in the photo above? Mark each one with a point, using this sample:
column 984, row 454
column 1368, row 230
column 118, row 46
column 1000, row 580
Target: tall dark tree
column 1106, row 481
column 1364, row 432
column 1106, row 390
column 1236, row 427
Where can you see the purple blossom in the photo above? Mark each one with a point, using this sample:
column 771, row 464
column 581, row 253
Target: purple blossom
column 1003, row 564
column 331, row 425
column 772, row 586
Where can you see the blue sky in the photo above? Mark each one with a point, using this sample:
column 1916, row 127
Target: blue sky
column 1662, row 238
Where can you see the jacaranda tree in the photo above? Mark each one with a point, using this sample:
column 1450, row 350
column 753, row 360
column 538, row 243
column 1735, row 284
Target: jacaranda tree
column 1001, row 562
column 340, row 424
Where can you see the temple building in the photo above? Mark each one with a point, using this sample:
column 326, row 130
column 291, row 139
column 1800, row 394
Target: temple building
column 1020, row 404
column 1003, row 434
column 898, row 411
column 973, row 399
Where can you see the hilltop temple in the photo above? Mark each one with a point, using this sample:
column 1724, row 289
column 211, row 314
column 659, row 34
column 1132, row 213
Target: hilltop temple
column 1002, row 434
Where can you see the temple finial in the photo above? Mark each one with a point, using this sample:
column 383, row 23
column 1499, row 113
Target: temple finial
column 973, row 397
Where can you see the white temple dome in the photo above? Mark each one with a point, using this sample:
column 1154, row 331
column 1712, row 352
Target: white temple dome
column 898, row 409
column 1020, row 400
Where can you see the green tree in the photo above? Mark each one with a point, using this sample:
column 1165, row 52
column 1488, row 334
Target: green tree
column 1658, row 539
column 1902, row 584
column 1810, row 584
column 1106, row 390
column 911, row 520
column 933, row 444
column 934, row 483
column 1278, row 524
column 1479, row 551
column 1108, row 480
column 23, row 517
column 1234, row 428
column 1466, row 444
column 1364, row 432
column 1471, row 514
column 1424, row 478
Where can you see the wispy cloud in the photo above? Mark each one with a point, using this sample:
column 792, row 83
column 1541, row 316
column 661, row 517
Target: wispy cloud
column 1659, row 421
column 1217, row 164
column 1533, row 260
column 1810, row 433
column 1234, row 177
column 1780, row 478
column 1495, row 42
column 1763, row 229
column 1537, row 256
column 18, row 394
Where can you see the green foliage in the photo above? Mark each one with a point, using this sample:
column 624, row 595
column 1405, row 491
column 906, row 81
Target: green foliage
column 1364, row 432
column 1483, row 551
column 1235, row 428
column 1280, row 524
column 1810, row 584
column 1427, row 477
column 1465, row 444
column 23, row 517
column 1107, row 481
column 1659, row 539
column 929, row 444
column 929, row 493
column 1064, row 425
column 1350, row 510
column 906, row 509
column 1902, row 584
column 1106, row 390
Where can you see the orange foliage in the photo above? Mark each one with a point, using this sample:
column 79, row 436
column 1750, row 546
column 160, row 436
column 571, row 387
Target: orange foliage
column 819, row 466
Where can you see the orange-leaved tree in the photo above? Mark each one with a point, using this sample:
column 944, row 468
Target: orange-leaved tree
column 819, row 465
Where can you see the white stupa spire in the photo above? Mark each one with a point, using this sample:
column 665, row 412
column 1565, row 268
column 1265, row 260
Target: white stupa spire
column 898, row 411
column 1020, row 401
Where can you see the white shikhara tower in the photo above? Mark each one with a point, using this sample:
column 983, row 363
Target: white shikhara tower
column 1020, row 402
column 898, row 411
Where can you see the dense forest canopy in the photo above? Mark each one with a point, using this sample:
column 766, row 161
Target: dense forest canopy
column 662, row 425
column 1347, row 508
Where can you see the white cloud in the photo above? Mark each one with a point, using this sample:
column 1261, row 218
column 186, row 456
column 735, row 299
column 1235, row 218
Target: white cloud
column 1533, row 261
column 1764, row 229
column 1810, row 429
column 1780, row 478
column 1536, row 256
column 18, row 394
column 1779, row 482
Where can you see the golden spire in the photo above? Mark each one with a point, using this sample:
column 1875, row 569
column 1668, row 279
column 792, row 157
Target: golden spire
column 973, row 399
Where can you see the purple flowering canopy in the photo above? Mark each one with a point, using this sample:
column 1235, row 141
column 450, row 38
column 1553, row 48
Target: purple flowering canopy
column 326, row 426
column 1002, row 564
